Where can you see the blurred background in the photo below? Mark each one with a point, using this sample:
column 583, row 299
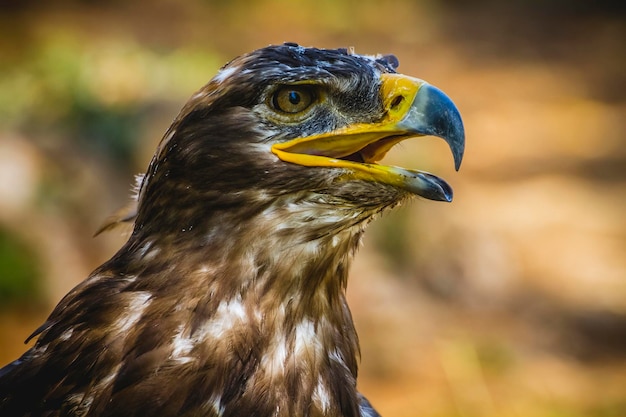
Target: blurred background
column 511, row 301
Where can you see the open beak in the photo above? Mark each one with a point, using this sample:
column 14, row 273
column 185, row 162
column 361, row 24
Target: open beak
column 412, row 108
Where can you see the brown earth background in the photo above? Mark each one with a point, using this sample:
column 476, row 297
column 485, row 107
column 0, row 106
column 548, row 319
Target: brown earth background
column 511, row 301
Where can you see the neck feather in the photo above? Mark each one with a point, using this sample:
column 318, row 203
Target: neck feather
column 264, row 308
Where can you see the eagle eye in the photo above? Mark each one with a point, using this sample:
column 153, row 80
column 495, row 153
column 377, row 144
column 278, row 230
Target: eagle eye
column 292, row 99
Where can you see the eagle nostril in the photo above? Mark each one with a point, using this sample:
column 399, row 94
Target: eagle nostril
column 397, row 100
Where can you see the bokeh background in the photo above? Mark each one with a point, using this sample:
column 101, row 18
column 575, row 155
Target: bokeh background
column 511, row 301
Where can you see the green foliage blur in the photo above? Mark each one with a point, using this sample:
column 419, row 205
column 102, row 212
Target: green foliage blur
column 95, row 95
column 19, row 270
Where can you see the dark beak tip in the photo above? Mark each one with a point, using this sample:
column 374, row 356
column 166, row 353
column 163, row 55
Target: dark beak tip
column 459, row 147
column 448, row 195
column 455, row 135
column 433, row 188
column 458, row 152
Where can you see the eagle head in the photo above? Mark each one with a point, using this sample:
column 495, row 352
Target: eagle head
column 288, row 123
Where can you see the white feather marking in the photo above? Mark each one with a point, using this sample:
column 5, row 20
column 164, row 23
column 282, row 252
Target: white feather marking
column 152, row 254
column 225, row 73
column 229, row 314
column 215, row 402
column 207, row 270
column 148, row 251
column 66, row 334
column 183, row 345
column 321, row 396
column 273, row 361
column 137, row 186
column 306, row 344
column 109, row 378
column 169, row 136
column 336, row 356
column 133, row 311
column 145, row 248
column 306, row 340
column 198, row 94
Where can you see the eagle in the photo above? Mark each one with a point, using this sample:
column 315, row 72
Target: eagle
column 229, row 297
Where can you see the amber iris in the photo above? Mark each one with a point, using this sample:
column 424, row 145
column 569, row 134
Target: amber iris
column 292, row 99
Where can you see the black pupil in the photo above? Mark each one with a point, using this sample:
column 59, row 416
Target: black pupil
column 294, row 97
